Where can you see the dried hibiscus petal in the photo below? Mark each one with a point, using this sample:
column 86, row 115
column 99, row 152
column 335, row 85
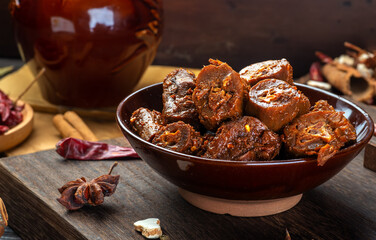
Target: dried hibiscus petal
column 75, row 194
column 4, row 110
column 13, row 119
column 3, row 129
column 10, row 114
column 73, row 148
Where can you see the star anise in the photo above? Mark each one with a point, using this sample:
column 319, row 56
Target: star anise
column 75, row 194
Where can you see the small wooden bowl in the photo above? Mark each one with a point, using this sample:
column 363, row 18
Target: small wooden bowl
column 19, row 133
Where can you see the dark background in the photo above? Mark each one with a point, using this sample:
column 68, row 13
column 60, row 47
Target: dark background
column 241, row 32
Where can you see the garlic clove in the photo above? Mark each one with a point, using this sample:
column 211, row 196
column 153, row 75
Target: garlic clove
column 149, row 228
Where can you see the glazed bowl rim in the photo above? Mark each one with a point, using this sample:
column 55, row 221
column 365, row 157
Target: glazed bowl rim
column 344, row 151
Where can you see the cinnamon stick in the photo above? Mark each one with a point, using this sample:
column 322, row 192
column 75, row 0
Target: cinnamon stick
column 80, row 126
column 341, row 76
column 65, row 129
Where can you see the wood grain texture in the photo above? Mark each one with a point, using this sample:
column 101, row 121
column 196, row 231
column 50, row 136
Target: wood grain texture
column 342, row 208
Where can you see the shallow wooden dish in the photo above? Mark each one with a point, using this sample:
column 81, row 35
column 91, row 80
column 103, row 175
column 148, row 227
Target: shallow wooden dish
column 19, row 133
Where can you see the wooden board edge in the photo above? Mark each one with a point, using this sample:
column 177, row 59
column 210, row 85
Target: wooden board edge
column 30, row 225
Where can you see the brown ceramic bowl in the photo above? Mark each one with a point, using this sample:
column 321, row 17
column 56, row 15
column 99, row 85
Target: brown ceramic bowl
column 233, row 180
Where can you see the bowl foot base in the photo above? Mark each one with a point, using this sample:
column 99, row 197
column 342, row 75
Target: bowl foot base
column 240, row 208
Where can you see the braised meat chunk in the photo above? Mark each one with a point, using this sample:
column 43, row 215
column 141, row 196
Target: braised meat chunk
column 178, row 105
column 320, row 133
column 278, row 69
column 146, row 123
column 221, row 114
column 245, row 139
column 218, row 95
column 276, row 103
column 322, row 105
column 179, row 137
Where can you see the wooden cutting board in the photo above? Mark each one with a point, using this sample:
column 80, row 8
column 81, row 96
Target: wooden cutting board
column 342, row 208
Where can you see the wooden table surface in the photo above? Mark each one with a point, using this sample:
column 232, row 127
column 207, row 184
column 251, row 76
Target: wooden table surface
column 342, row 208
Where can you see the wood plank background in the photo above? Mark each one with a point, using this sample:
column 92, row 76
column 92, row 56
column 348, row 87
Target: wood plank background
column 342, row 208
column 242, row 32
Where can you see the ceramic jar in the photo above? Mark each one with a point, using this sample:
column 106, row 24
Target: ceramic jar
column 94, row 52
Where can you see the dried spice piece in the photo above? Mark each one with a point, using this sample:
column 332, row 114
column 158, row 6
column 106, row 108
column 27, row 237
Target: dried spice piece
column 75, row 194
column 10, row 113
column 323, row 57
column 149, row 228
column 349, row 81
column 72, row 125
column 77, row 149
column 78, row 123
column 315, row 72
column 3, row 217
column 361, row 56
column 65, row 129
column 352, row 73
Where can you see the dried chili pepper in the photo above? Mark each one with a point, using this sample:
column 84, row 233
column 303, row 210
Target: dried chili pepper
column 315, row 72
column 10, row 113
column 323, row 57
column 3, row 217
column 73, row 148
column 75, row 194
